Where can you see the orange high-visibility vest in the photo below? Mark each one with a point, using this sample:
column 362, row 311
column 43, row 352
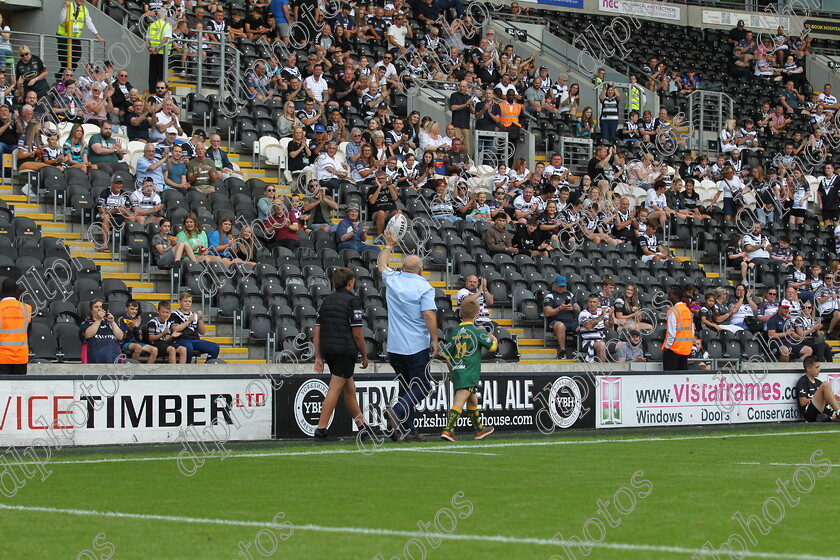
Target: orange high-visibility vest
column 509, row 114
column 15, row 317
column 684, row 339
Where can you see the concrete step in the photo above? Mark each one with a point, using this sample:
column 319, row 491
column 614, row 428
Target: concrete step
column 69, row 235
column 35, row 215
column 113, row 265
column 11, row 197
column 224, row 353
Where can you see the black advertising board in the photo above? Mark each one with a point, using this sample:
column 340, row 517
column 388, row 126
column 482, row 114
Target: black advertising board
column 512, row 402
column 827, row 27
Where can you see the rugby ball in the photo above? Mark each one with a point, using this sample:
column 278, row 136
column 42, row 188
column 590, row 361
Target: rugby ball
column 397, row 227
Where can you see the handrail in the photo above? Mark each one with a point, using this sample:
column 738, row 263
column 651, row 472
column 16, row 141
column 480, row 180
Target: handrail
column 43, row 46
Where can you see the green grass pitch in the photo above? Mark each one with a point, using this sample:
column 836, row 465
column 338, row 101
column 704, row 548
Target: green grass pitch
column 653, row 494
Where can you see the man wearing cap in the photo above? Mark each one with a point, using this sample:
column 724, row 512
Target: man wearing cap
column 198, row 137
column 31, row 72
column 106, row 151
column 351, row 232
column 679, row 334
column 560, row 311
column 72, row 19
column 787, row 335
column 113, row 207
column 169, row 141
column 317, row 144
column 631, row 350
column 737, row 34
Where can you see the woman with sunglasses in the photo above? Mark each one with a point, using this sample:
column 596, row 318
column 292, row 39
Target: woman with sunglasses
column 811, row 334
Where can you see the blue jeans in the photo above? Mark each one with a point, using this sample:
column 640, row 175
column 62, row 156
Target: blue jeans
column 357, row 245
column 414, row 381
column 446, row 4
column 7, row 148
column 198, row 345
column 609, row 129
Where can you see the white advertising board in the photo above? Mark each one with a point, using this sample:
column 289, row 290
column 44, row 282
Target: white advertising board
column 117, row 411
column 623, row 401
column 641, row 9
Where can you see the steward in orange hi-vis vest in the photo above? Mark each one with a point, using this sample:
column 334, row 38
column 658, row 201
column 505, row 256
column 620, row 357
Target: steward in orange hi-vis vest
column 15, row 319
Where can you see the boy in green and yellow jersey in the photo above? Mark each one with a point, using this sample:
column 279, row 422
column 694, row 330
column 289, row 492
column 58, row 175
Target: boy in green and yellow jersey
column 463, row 354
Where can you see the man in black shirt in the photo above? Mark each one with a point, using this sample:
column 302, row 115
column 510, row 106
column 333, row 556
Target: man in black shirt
column 382, row 201
column 529, row 241
column 487, row 115
column 338, row 339
column 30, row 70
column 814, row 395
column 561, row 311
column 461, row 105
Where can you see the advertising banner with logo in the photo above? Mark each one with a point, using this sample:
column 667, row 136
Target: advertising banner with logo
column 114, row 410
column 823, row 26
column 641, row 9
column 578, row 4
column 624, row 401
column 508, row 402
column 751, row 20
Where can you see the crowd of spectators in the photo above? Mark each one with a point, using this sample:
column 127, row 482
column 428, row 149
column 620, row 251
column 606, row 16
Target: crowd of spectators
column 337, row 95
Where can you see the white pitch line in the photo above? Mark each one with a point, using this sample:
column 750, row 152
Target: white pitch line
column 387, row 448
column 458, row 452
column 782, row 464
column 407, row 534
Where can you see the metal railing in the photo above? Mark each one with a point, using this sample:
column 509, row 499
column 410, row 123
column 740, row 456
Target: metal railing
column 45, row 47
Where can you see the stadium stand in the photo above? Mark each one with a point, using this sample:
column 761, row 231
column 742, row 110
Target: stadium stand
column 267, row 311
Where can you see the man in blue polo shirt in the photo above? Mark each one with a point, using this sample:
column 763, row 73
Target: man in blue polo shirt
column 412, row 332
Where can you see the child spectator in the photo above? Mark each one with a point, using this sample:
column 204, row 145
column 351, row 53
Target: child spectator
column 190, row 326
column 782, row 252
column 158, row 332
column 129, row 322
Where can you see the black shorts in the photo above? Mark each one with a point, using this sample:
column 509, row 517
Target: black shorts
column 341, row 365
column 162, row 347
column 810, row 412
column 827, row 316
column 798, row 212
column 831, row 214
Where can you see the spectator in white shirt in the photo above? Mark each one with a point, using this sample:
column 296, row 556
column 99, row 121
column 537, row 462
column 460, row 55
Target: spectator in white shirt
column 329, row 171
column 316, row 86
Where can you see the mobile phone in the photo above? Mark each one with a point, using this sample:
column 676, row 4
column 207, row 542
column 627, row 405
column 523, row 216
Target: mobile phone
column 105, row 307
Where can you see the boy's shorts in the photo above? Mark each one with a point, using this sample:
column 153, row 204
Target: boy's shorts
column 162, row 347
column 126, row 346
column 810, row 413
column 472, row 390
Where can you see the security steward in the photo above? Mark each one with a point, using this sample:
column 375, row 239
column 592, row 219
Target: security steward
column 679, row 337
column 509, row 122
column 15, row 324
column 72, row 19
column 158, row 42
column 338, row 340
